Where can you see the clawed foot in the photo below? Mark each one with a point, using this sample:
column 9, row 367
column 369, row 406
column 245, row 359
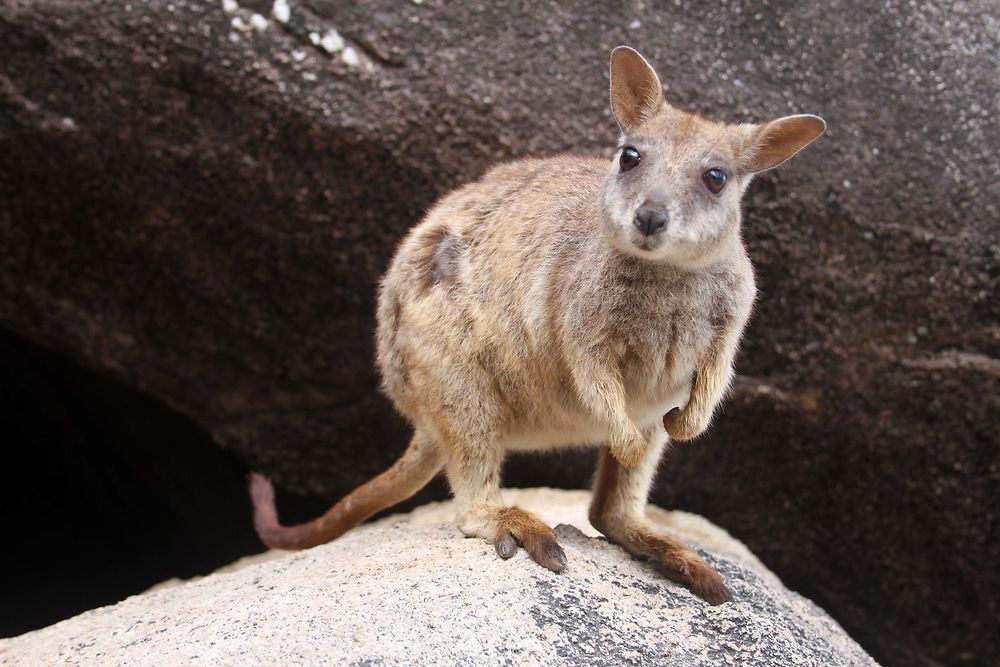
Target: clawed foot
column 516, row 527
column 670, row 557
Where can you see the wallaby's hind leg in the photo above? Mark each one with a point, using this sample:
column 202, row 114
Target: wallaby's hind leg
column 618, row 511
column 474, row 478
column 415, row 468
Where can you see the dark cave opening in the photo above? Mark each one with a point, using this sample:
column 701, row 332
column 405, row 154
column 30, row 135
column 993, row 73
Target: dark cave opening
column 107, row 492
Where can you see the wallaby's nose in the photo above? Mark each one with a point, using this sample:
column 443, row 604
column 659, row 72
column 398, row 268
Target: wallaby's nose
column 650, row 220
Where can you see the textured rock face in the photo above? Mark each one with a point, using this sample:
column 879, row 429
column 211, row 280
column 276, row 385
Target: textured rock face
column 202, row 207
column 410, row 589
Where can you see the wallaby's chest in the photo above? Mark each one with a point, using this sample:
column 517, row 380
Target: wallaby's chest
column 660, row 344
column 659, row 332
column 646, row 318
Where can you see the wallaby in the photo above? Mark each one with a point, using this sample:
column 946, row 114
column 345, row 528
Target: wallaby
column 566, row 301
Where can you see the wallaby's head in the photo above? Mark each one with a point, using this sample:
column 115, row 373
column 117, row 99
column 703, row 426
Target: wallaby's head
column 673, row 191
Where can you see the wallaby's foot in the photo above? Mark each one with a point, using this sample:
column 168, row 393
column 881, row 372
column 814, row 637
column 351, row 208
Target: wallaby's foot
column 696, row 574
column 671, row 557
column 515, row 526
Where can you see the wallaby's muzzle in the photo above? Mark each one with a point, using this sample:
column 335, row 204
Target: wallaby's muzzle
column 650, row 220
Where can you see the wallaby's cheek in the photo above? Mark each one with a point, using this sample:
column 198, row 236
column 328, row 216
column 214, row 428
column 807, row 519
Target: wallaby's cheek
column 698, row 239
column 618, row 213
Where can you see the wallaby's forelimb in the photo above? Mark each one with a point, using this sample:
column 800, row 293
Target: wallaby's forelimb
column 711, row 382
column 600, row 389
column 418, row 465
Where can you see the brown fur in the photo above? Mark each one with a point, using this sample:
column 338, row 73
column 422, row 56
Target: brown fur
column 528, row 312
column 418, row 465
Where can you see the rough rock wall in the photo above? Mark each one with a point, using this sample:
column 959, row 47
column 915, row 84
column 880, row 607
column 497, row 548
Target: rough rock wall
column 201, row 203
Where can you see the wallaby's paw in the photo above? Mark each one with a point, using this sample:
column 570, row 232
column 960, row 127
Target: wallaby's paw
column 698, row 576
column 680, row 425
column 518, row 527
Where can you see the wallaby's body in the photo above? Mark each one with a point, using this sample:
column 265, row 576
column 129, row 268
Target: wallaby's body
column 562, row 302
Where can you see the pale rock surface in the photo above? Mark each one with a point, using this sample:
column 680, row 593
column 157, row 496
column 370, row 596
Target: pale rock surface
column 408, row 589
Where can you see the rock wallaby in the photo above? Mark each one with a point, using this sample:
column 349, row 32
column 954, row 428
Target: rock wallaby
column 564, row 302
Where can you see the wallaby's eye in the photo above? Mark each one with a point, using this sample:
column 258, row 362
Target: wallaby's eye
column 630, row 159
column 715, row 180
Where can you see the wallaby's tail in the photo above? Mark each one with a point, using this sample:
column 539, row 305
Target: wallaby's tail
column 409, row 474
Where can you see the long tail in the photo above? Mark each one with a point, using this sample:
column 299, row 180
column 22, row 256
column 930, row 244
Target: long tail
column 414, row 469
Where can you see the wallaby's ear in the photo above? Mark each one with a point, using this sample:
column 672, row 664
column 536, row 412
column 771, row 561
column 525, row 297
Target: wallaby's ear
column 636, row 93
column 772, row 143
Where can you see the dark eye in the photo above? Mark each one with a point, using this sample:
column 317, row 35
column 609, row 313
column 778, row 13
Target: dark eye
column 715, row 180
column 630, row 158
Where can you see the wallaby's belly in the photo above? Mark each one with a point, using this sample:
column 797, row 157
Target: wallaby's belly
column 549, row 413
column 536, row 402
column 522, row 379
column 579, row 428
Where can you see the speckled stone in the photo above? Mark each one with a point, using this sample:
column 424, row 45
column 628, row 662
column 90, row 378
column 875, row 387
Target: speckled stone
column 409, row 589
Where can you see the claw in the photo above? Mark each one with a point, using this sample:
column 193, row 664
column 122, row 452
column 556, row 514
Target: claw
column 714, row 592
column 551, row 556
column 701, row 580
column 517, row 527
column 506, row 546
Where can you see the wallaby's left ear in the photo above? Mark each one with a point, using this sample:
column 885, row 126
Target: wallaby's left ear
column 773, row 143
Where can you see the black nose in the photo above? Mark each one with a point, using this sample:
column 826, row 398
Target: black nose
column 650, row 220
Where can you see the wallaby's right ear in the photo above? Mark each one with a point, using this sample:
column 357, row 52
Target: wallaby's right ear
column 636, row 93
